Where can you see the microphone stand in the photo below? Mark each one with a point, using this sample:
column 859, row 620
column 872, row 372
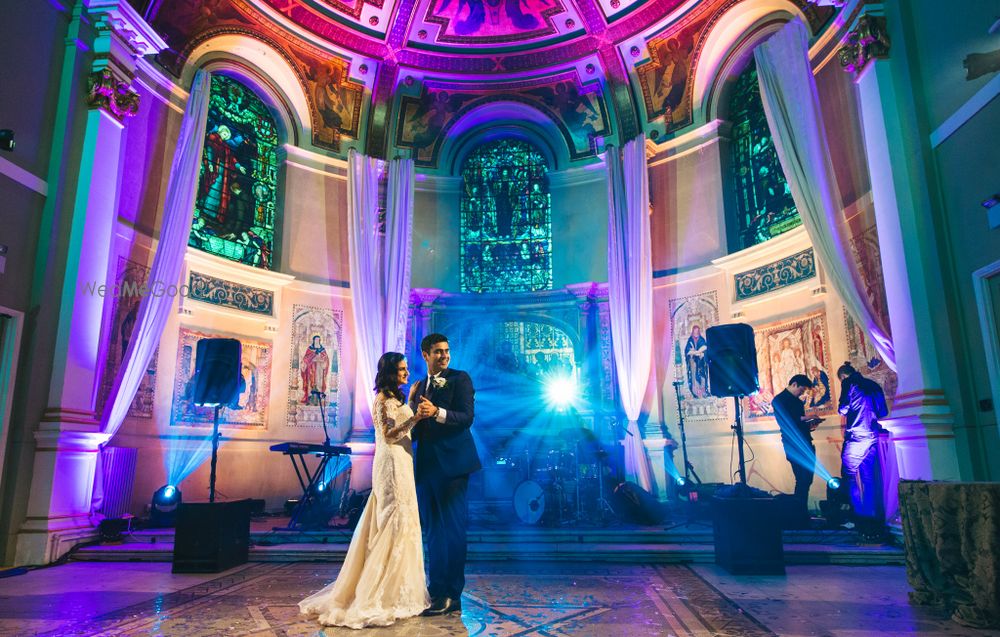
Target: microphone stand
column 688, row 467
column 321, row 397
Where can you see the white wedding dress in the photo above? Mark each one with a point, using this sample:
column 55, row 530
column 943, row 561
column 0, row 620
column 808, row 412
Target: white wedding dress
column 382, row 578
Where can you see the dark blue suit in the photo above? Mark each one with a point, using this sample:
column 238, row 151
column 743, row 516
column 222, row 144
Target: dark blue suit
column 446, row 455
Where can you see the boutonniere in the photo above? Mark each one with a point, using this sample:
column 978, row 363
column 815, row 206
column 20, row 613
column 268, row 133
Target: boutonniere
column 439, row 382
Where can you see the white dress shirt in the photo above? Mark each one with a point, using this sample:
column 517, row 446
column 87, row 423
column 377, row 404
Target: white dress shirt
column 441, row 413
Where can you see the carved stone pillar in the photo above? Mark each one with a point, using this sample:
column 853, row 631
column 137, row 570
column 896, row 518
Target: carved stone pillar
column 589, row 356
column 68, row 434
column 421, row 303
column 921, row 422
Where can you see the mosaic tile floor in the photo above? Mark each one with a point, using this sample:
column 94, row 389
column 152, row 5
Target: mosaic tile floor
column 509, row 598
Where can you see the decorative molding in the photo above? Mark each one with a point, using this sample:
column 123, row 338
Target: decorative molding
column 210, row 289
column 112, row 94
column 25, row 178
column 776, row 275
column 128, row 25
column 966, row 111
column 867, row 41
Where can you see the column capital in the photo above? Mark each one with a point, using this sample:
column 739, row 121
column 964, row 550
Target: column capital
column 121, row 36
column 112, row 94
column 868, row 40
column 423, row 297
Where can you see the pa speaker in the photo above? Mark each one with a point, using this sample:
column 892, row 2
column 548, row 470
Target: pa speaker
column 747, row 535
column 217, row 371
column 732, row 360
column 211, row 537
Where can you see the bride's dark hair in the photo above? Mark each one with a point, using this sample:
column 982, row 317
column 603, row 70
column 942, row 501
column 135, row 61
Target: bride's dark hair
column 385, row 377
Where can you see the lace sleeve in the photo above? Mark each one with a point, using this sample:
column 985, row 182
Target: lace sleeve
column 388, row 419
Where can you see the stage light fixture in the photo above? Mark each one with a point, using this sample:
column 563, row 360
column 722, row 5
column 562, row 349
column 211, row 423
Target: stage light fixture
column 7, row 140
column 833, row 483
column 560, row 391
column 163, row 509
column 681, row 481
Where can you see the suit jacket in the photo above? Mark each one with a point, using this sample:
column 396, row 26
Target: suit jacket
column 447, row 448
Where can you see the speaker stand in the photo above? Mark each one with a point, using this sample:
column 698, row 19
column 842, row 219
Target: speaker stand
column 738, row 428
column 215, row 454
column 688, row 467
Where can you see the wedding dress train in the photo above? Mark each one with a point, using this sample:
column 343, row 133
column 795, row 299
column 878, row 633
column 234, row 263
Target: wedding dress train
column 382, row 579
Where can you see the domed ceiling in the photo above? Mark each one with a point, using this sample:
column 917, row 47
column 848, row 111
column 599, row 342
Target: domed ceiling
column 381, row 75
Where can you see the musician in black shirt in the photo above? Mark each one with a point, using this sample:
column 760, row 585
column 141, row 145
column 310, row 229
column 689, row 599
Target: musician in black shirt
column 796, row 436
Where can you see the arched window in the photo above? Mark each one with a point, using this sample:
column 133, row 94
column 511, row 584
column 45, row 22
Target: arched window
column 235, row 205
column 506, row 224
column 763, row 201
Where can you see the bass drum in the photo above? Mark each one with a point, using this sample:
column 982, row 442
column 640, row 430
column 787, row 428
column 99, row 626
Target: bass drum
column 529, row 502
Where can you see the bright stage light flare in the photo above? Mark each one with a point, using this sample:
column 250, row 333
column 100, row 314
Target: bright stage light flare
column 560, row 391
column 833, row 483
column 681, row 481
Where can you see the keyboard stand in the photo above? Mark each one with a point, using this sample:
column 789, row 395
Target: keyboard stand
column 308, row 481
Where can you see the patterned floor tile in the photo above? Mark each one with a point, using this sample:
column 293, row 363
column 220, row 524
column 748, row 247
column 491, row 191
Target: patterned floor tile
column 509, row 599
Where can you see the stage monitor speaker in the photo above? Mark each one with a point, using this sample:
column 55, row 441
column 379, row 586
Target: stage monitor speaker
column 732, row 360
column 747, row 534
column 634, row 504
column 211, row 537
column 217, row 371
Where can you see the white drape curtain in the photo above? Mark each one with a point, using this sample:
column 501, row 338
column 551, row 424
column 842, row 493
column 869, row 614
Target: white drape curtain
column 788, row 91
column 630, row 292
column 168, row 264
column 379, row 264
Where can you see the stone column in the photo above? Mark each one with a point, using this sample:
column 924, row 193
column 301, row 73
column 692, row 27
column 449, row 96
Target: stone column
column 68, row 434
column 921, row 422
column 589, row 351
column 421, row 304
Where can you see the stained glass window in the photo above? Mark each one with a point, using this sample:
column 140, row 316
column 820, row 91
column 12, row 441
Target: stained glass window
column 763, row 200
column 506, row 227
column 235, row 205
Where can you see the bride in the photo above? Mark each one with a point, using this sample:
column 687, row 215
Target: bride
column 382, row 578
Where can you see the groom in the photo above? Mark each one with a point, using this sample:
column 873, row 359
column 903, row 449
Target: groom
column 446, row 455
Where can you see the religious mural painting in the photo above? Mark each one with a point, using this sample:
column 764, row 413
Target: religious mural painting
column 235, row 203
column 787, row 348
column 868, row 256
column 506, row 220
column 249, row 410
column 578, row 111
column 764, row 204
column 183, row 22
column 667, row 80
column 314, row 376
column 334, row 100
column 129, row 278
column 863, row 356
column 493, row 21
column 690, row 317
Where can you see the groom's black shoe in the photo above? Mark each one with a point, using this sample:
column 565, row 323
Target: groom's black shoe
column 454, row 605
column 439, row 606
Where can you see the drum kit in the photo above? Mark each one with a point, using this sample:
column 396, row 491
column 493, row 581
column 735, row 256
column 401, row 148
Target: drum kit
column 562, row 480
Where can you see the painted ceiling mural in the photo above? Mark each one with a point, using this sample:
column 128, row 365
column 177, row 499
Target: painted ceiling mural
column 667, row 79
column 334, row 101
column 468, row 52
column 495, row 21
